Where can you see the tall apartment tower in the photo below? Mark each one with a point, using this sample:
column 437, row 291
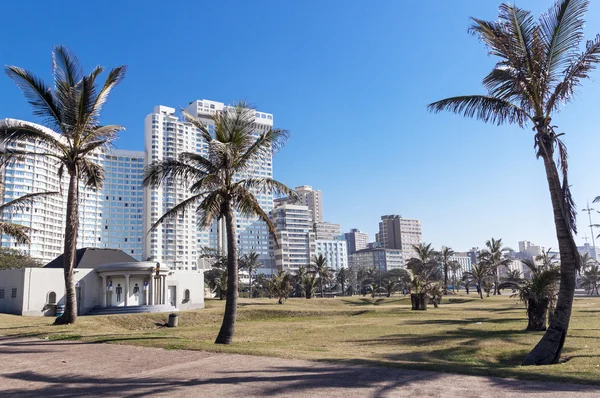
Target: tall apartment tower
column 356, row 240
column 123, row 202
column 295, row 235
column 312, row 199
column 396, row 232
column 101, row 223
column 178, row 241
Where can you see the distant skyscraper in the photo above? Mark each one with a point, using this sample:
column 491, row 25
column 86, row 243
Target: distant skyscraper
column 123, row 202
column 356, row 240
column 178, row 241
column 312, row 199
column 294, row 231
column 396, row 232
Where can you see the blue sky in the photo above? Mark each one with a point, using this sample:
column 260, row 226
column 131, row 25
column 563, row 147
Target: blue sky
column 350, row 81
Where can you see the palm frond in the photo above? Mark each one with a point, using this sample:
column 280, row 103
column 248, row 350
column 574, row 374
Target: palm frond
column 578, row 69
column 25, row 201
column 266, row 185
column 38, row 94
column 570, row 207
column 15, row 231
column 181, row 208
column 13, row 131
column 484, row 108
column 91, row 173
column 210, row 208
column 561, row 30
column 156, row 173
column 245, row 202
column 66, row 67
column 199, row 124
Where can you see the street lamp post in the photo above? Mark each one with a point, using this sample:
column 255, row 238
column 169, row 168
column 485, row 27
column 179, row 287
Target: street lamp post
column 589, row 211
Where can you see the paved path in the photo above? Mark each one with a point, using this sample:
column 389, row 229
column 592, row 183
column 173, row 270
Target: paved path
column 41, row 368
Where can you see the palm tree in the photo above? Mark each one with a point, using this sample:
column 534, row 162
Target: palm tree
column 320, row 268
column 548, row 260
column 309, row 282
column 219, row 185
column 281, row 286
column 591, row 279
column 479, row 274
column 587, row 261
column 539, row 69
column 493, row 256
column 342, row 278
column 251, row 263
column 537, row 293
column 71, row 108
column 454, row 267
column 446, row 255
column 390, row 286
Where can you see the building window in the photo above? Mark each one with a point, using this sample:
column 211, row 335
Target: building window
column 13, row 293
column 186, row 296
column 1, row 293
column 51, row 298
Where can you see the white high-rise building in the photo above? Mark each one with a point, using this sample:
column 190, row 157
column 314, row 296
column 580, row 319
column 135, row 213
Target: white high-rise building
column 335, row 251
column 46, row 219
column 123, row 202
column 327, row 231
column 178, row 241
column 295, row 236
column 396, row 232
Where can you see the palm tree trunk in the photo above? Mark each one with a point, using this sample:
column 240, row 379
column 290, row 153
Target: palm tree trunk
column 321, row 284
column 480, row 291
column 445, row 278
column 250, row 282
column 549, row 348
column 228, row 326
column 70, row 248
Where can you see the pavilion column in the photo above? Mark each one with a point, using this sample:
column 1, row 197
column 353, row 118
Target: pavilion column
column 156, row 290
column 103, row 291
column 164, row 289
column 149, row 293
column 126, row 289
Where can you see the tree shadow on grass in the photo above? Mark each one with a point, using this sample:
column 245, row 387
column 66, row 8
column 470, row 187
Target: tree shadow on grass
column 376, row 301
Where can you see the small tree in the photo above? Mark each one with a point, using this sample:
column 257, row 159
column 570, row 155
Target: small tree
column 281, row 286
column 250, row 262
column 342, row 278
column 309, row 284
column 537, row 293
column 320, row 268
column 479, row 274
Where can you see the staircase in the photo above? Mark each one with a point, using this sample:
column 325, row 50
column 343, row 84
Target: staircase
column 137, row 309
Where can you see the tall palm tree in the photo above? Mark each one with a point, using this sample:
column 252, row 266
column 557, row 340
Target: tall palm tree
column 251, row 263
column 494, row 257
column 549, row 260
column 446, row 255
column 71, row 108
column 479, row 274
column 219, row 185
column 539, row 69
column 320, row 268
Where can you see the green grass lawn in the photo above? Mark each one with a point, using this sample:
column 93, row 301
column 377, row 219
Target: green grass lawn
column 464, row 335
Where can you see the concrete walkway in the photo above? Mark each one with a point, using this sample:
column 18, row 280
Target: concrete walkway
column 41, row 368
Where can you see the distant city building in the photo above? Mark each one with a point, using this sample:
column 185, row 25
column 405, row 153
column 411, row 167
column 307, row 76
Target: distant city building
column 327, row 231
column 356, row 240
column 375, row 245
column 381, row 259
column 473, row 255
column 396, row 232
column 335, row 251
column 312, row 199
column 123, row 203
column 526, row 246
column 294, row 231
column 464, row 260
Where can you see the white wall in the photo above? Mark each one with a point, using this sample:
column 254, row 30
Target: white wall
column 192, row 281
